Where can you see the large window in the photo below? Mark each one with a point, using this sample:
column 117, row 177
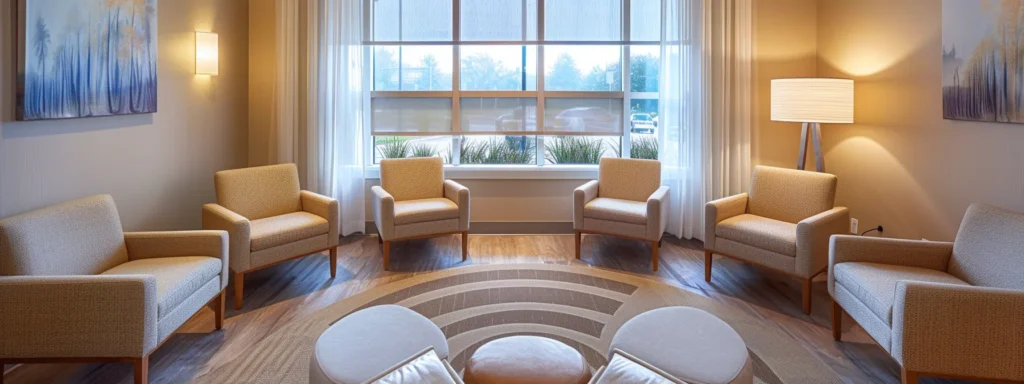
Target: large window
column 513, row 82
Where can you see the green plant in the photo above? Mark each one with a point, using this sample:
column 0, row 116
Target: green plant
column 393, row 147
column 644, row 147
column 496, row 151
column 423, row 150
column 574, row 150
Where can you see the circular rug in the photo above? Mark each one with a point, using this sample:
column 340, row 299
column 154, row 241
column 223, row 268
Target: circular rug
column 580, row 306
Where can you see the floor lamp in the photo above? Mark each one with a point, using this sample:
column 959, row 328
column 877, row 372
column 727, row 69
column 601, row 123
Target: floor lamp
column 812, row 102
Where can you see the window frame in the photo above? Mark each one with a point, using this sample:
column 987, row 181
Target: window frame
column 540, row 170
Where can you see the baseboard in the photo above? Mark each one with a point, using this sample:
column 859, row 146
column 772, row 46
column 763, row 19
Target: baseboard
column 508, row 228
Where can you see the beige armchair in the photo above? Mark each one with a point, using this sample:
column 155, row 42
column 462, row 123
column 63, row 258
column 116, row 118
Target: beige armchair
column 783, row 224
column 75, row 288
column 627, row 200
column 415, row 201
column 951, row 310
column 270, row 220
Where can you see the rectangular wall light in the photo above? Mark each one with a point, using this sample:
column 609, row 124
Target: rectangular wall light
column 207, row 56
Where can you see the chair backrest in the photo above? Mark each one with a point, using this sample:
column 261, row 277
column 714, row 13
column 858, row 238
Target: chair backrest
column 989, row 248
column 628, row 179
column 413, row 179
column 790, row 195
column 80, row 237
column 260, row 192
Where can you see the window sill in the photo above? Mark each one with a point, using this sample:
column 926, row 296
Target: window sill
column 508, row 172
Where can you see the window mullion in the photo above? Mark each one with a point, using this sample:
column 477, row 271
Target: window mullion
column 541, row 149
column 456, row 73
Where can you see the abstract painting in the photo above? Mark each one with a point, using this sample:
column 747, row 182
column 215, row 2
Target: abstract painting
column 83, row 58
column 983, row 60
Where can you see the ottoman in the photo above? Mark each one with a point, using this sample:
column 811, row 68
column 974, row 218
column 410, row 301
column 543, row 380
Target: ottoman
column 688, row 344
column 364, row 344
column 526, row 359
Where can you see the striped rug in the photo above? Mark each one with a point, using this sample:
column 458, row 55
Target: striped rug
column 580, row 306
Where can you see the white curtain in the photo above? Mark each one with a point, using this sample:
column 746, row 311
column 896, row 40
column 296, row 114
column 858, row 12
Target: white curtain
column 318, row 100
column 705, row 106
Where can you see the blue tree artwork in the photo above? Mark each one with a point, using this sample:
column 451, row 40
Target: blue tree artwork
column 84, row 58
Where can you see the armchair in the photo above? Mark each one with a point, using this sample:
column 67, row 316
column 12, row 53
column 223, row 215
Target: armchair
column 270, row 220
column 952, row 310
column 415, row 201
column 75, row 288
column 627, row 200
column 783, row 224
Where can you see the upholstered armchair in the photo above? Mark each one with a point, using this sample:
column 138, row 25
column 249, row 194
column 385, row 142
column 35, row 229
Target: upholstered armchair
column 783, row 224
column 75, row 288
column 271, row 220
column 415, row 201
column 952, row 310
column 627, row 200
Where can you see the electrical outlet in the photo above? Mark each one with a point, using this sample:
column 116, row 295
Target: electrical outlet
column 854, row 226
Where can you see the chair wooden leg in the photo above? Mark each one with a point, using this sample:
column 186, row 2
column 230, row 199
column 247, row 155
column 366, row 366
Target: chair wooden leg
column 909, row 377
column 837, row 321
column 141, row 367
column 2, row 372
column 239, row 288
column 654, row 254
column 707, row 265
column 807, row 296
column 380, row 240
column 578, row 238
column 334, row 262
column 465, row 245
column 387, row 255
column 217, row 305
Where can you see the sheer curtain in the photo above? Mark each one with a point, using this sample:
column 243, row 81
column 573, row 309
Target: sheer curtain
column 705, row 106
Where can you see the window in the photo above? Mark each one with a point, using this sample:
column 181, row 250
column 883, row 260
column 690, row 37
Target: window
column 513, row 82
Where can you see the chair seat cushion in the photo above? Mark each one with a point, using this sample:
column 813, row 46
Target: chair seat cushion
column 288, row 228
column 177, row 278
column 875, row 284
column 760, row 232
column 418, row 211
column 622, row 211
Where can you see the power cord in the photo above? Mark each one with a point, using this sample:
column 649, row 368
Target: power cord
column 878, row 228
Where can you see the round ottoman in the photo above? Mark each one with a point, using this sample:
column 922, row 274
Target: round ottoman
column 526, row 359
column 687, row 343
column 367, row 343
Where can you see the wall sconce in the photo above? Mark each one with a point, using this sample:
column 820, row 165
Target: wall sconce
column 207, row 58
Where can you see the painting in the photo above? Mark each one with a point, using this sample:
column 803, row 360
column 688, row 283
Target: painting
column 84, row 58
column 983, row 60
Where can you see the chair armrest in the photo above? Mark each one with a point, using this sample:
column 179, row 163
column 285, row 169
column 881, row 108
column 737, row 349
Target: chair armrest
column 460, row 195
column 78, row 316
column 383, row 212
column 959, row 330
column 147, row 245
column 812, row 239
column 326, row 208
column 216, row 217
column 657, row 213
column 718, row 210
column 581, row 196
column 909, row 253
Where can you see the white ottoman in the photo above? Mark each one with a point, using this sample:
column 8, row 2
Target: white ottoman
column 364, row 344
column 687, row 343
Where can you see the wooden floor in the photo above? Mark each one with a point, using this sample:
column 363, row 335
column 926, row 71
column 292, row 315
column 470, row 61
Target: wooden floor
column 276, row 295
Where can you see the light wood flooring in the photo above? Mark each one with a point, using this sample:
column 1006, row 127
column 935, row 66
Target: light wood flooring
column 278, row 294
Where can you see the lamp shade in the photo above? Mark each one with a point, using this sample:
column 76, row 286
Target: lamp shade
column 207, row 57
column 812, row 100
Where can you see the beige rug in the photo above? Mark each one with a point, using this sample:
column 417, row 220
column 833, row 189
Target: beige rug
column 580, row 306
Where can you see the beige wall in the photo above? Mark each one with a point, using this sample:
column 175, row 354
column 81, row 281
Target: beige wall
column 785, row 45
column 159, row 167
column 262, row 67
column 901, row 165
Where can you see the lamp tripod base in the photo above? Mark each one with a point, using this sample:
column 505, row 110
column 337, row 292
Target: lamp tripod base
column 819, row 157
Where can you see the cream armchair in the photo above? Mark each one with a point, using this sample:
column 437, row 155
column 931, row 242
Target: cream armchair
column 783, row 224
column 627, row 200
column 952, row 310
column 270, row 220
column 75, row 288
column 415, row 201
